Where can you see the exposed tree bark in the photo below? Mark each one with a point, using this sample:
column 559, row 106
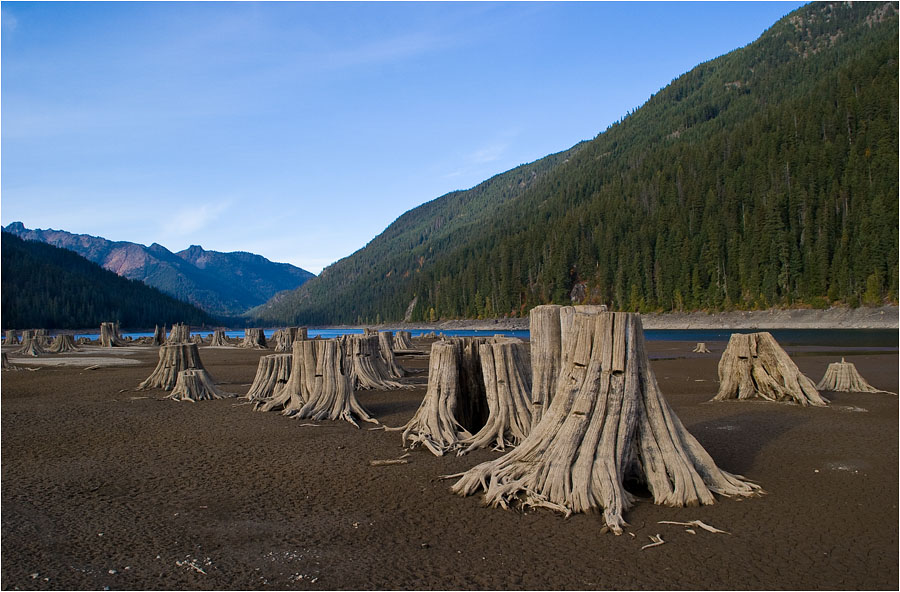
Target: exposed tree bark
column 362, row 354
column 31, row 345
column 844, row 377
column 455, row 404
column 272, row 374
column 506, row 371
column 63, row 343
column 607, row 422
column 754, row 365
column 173, row 359
column 701, row 349
column 196, row 385
column 386, row 349
column 109, row 335
column 11, row 337
column 546, row 352
column 254, row 339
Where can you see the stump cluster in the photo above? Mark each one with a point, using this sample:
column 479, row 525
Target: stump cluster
column 606, row 422
column 753, row 365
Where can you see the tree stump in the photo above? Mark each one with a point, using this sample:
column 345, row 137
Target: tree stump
column 754, row 365
column 272, row 374
column 607, row 422
column 84, row 341
column 369, row 331
column 701, row 349
column 386, row 349
column 159, row 335
column 218, row 338
column 455, row 404
column 254, row 339
column 506, row 370
column 366, row 365
column 7, row 365
column 285, row 338
column 172, row 359
column 42, row 336
column 63, row 343
column 403, row 341
column 11, row 337
column 321, row 380
column 844, row 377
column 109, row 335
column 546, row 350
column 179, row 333
column 196, row 385
column 31, row 345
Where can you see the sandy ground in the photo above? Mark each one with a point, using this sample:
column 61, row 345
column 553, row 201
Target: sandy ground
column 105, row 487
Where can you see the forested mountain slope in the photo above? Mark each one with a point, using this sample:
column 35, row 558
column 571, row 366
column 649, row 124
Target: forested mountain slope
column 220, row 283
column 765, row 177
column 48, row 287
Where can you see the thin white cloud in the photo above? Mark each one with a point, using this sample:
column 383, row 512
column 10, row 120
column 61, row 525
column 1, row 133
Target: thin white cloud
column 8, row 22
column 191, row 220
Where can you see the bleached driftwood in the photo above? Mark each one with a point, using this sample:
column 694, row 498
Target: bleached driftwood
column 11, row 338
column 272, row 374
column 701, row 348
column 366, row 365
column 844, row 377
column 109, row 335
column 386, row 350
column 321, row 380
column 62, row 343
column 172, row 359
column 754, row 365
column 31, row 345
column 196, row 385
column 455, row 404
column 506, row 371
column 254, row 339
column 607, row 422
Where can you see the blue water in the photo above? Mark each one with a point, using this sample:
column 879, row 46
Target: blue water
column 826, row 337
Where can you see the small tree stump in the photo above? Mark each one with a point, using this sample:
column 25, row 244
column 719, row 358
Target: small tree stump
column 284, row 339
column 321, row 380
column 754, row 365
column 62, row 343
column 159, row 335
column 31, row 345
column 84, row 341
column 455, row 404
column 172, row 359
column 7, row 365
column 109, row 335
column 272, row 374
column 701, row 348
column 367, row 369
column 607, row 421
column 179, row 333
column 386, row 349
column 403, row 341
column 844, row 377
column 196, row 385
column 218, row 338
column 254, row 339
column 11, row 338
column 506, row 370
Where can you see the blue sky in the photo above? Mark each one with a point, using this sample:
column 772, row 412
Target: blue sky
column 299, row 130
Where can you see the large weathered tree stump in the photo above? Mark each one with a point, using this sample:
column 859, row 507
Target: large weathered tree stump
column 31, row 344
column 607, row 422
column 109, row 335
column 284, row 339
column 367, row 369
column 62, row 343
column 11, row 337
column 755, row 366
column 218, row 338
column 172, row 359
column 196, row 385
column 179, row 333
column 506, row 371
column 386, row 349
column 844, row 377
column 403, row 341
column 455, row 404
column 254, row 339
column 320, row 384
column 272, row 374
column 701, row 349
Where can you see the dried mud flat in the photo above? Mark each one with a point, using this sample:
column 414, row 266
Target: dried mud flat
column 102, row 488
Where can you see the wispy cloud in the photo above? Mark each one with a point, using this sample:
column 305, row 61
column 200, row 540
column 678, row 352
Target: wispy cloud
column 8, row 22
column 191, row 219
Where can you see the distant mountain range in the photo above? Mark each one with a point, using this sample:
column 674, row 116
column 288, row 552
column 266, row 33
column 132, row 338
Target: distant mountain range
column 767, row 177
column 222, row 284
column 46, row 287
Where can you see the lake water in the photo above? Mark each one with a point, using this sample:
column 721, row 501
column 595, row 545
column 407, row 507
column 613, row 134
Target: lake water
column 881, row 338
